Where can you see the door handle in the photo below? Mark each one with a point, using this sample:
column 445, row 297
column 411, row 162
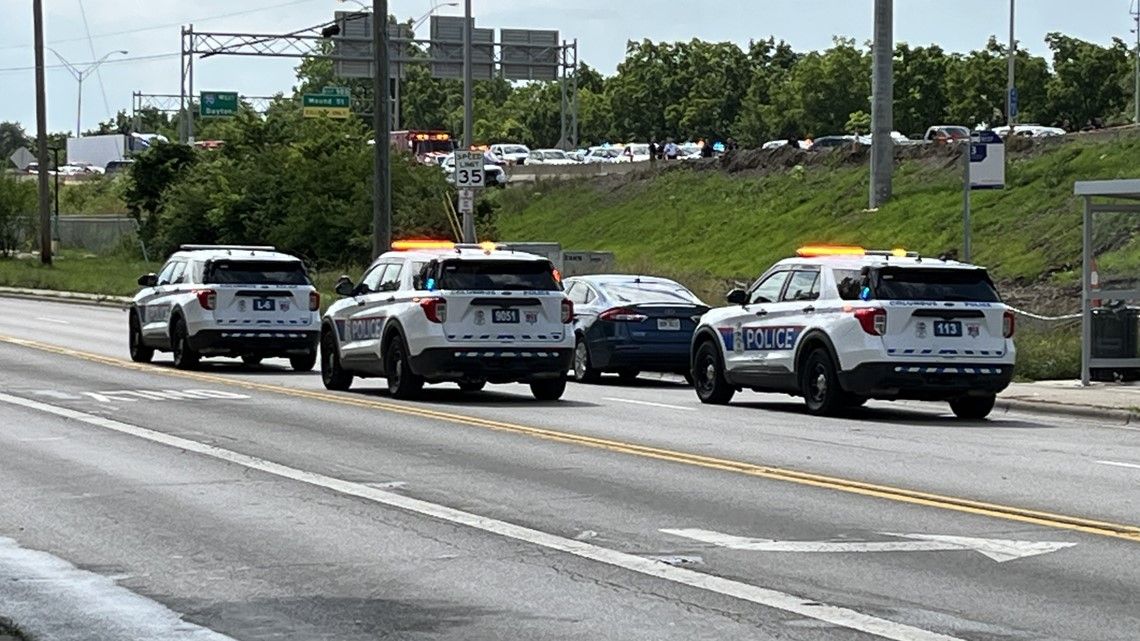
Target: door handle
column 391, row 299
column 761, row 312
column 809, row 309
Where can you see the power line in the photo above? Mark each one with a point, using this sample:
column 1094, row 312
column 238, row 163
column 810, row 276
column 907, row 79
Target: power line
column 154, row 56
column 165, row 26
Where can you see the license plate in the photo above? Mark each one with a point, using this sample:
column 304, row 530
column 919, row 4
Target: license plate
column 505, row 316
column 264, row 304
column 950, row 329
column 669, row 324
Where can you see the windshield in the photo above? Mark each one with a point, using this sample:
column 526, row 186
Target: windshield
column 255, row 272
column 498, row 274
column 515, row 149
column 649, row 292
column 640, row 150
column 972, row 285
column 425, row 147
column 554, row 155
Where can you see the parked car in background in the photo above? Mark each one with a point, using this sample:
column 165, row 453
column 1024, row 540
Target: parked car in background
column 602, row 155
column 943, row 134
column 1030, row 131
column 550, row 157
column 116, row 167
column 635, row 153
column 689, row 151
column 630, row 324
column 511, row 154
column 832, row 142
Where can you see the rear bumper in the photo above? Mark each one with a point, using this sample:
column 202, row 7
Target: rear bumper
column 266, row 343
column 926, row 381
column 661, row 357
column 492, row 365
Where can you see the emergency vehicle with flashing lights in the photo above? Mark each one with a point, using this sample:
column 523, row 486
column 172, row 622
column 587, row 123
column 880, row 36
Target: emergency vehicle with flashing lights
column 427, row 146
column 841, row 325
column 251, row 302
column 435, row 311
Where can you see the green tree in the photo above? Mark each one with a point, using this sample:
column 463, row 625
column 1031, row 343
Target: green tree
column 920, row 87
column 823, row 89
column 1088, row 83
column 17, row 213
column 12, row 137
column 858, row 123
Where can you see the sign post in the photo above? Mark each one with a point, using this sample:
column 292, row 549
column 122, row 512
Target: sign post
column 469, row 176
column 984, row 169
column 217, row 104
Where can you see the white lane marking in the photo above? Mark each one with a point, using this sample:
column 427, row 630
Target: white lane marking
column 48, row 319
column 52, row 599
column 649, row 403
column 835, row 615
column 1000, row 550
column 1134, row 466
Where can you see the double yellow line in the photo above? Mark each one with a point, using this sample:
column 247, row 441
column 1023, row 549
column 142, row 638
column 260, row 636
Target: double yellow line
column 901, row 495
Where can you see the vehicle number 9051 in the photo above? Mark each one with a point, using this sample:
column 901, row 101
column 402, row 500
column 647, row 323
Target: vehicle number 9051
column 505, row 316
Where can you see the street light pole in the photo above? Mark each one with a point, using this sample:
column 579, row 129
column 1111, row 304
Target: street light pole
column 1011, row 87
column 381, row 125
column 80, row 75
column 1136, row 73
column 882, row 104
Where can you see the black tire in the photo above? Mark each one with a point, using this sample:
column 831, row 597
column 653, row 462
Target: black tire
column 251, row 359
column 140, row 353
column 820, row 385
column 973, row 408
column 550, row 389
column 472, row 386
column 304, row 362
column 332, row 374
column 402, row 381
column 628, row 376
column 583, row 373
column 852, row 401
column 708, row 376
column 184, row 355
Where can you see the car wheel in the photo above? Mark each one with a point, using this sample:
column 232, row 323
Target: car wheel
column 304, row 362
column 583, row 373
column 472, row 386
column 628, row 376
column 820, row 384
column 251, row 359
column 550, row 389
column 402, row 382
column 140, row 353
column 184, row 355
column 973, row 407
column 332, row 374
column 853, row 401
column 708, row 376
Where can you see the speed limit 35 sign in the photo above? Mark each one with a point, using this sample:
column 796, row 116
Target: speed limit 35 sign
column 469, row 169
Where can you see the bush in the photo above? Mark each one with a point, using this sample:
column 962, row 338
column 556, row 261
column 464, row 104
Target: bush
column 18, row 214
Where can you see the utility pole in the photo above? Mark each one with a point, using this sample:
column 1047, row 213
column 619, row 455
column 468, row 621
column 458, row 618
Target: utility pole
column 1136, row 96
column 1011, row 86
column 41, row 134
column 468, row 107
column 882, row 104
column 381, row 124
column 80, row 75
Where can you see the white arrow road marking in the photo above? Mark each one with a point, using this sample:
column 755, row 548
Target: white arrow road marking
column 835, row 615
column 999, row 550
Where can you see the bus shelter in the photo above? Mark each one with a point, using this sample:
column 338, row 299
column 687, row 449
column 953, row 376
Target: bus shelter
column 1108, row 322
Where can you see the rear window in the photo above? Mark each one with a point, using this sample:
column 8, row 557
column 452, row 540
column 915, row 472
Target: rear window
column 498, row 274
column 638, row 293
column 972, row 285
column 255, row 272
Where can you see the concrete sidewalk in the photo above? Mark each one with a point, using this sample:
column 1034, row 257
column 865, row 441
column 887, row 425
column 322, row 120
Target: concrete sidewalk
column 1111, row 401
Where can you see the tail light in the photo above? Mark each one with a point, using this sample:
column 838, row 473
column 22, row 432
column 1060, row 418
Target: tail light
column 567, row 311
column 622, row 315
column 435, row 309
column 207, row 298
column 1007, row 325
column 873, row 320
column 314, row 301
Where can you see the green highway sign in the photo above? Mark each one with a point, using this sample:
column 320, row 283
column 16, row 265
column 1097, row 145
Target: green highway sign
column 326, row 105
column 336, row 91
column 217, row 104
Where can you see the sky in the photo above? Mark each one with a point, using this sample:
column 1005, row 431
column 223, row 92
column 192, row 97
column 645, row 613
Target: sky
column 84, row 30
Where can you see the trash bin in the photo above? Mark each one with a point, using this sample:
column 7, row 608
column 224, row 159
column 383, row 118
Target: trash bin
column 1114, row 332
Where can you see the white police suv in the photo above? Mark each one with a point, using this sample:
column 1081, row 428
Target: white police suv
column 227, row 300
column 433, row 311
column 840, row 325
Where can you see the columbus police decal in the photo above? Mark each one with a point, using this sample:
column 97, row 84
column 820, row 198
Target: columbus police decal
column 760, row 339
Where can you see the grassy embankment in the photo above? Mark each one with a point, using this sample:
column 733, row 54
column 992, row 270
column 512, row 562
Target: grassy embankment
column 707, row 227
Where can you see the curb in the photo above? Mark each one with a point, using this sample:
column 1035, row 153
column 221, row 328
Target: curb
column 75, row 298
column 1121, row 416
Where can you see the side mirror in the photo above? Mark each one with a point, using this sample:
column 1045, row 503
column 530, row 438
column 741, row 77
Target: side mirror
column 737, row 297
column 148, row 280
column 344, row 286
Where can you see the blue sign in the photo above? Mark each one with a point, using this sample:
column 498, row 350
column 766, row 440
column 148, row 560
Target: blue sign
column 1014, row 107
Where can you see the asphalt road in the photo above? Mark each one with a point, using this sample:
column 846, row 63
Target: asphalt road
column 256, row 505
